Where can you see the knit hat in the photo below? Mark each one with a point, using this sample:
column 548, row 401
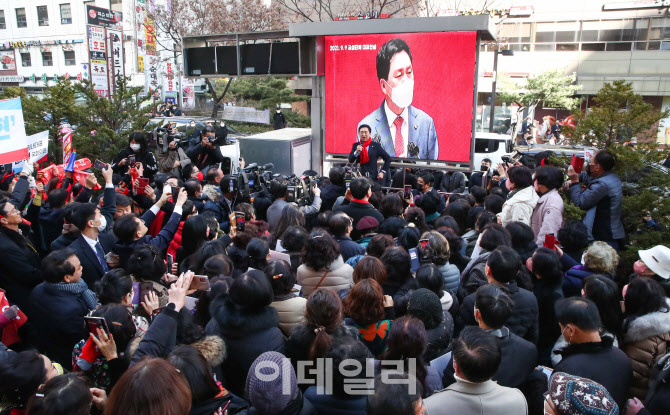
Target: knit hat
column 657, row 259
column 367, row 222
column 426, row 306
column 279, row 387
column 573, row 395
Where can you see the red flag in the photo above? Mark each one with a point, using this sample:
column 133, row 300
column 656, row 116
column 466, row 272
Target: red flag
column 9, row 333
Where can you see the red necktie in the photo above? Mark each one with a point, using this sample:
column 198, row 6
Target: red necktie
column 399, row 146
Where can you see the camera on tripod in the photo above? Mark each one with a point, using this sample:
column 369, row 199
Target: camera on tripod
column 300, row 189
column 258, row 176
column 350, row 174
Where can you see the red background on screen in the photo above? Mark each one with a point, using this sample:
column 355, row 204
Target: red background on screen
column 444, row 75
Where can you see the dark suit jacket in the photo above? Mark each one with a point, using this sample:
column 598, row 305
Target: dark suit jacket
column 92, row 269
column 421, row 132
column 375, row 151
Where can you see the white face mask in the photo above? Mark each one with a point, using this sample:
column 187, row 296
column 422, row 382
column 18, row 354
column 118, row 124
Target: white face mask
column 223, row 124
column 103, row 224
column 402, row 94
column 135, row 147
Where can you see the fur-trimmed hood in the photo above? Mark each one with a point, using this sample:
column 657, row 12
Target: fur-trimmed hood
column 213, row 349
column 233, row 322
column 649, row 325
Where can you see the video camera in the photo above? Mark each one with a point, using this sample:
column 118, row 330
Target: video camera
column 300, row 189
column 164, row 137
column 238, row 183
column 350, row 174
column 258, row 176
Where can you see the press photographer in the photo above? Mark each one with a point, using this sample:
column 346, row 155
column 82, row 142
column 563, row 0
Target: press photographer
column 206, row 153
column 279, row 188
column 170, row 153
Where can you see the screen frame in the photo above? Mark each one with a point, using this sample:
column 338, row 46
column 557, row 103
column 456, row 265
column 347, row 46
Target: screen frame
column 428, row 163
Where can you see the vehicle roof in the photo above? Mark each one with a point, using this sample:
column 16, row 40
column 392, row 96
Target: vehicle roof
column 494, row 136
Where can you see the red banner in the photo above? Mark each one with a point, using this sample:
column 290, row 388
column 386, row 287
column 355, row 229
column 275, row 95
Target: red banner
column 66, row 132
column 78, row 175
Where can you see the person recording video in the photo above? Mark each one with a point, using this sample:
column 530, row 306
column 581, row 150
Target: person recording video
column 367, row 152
column 206, row 153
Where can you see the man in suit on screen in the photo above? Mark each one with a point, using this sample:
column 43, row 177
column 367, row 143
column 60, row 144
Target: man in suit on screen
column 403, row 131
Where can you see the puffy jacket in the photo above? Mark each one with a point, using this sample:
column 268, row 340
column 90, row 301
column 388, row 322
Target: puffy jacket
column 340, row 276
column 247, row 336
column 175, row 243
column 519, row 207
column 451, row 276
column 291, row 310
column 645, row 341
column 547, row 216
column 604, row 194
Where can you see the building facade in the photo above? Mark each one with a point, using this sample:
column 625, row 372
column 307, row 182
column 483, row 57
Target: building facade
column 43, row 41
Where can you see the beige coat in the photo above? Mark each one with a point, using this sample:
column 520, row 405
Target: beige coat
column 291, row 313
column 548, row 216
column 477, row 398
column 340, row 276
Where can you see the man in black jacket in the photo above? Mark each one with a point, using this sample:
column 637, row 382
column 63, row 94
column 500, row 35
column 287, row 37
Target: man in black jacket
column 587, row 354
column 502, row 266
column 335, row 189
column 20, row 261
column 341, row 226
column 58, row 306
column 132, row 231
column 493, row 306
column 356, row 204
column 94, row 242
column 206, row 152
column 453, row 182
column 367, row 152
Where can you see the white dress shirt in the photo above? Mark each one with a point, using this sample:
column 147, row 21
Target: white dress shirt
column 404, row 128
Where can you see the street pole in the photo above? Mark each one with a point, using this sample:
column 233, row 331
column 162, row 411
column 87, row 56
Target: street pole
column 493, row 88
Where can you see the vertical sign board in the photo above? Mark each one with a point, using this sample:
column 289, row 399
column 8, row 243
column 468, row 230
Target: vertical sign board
column 106, row 48
column 187, row 93
column 97, row 47
column 13, row 144
column 140, row 12
column 114, row 58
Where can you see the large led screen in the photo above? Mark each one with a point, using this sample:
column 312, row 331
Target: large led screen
column 414, row 90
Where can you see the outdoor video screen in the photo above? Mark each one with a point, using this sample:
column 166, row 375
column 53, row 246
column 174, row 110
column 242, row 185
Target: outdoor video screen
column 414, row 90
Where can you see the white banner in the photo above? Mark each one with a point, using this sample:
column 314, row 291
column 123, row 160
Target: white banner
column 38, row 148
column 12, row 132
column 246, row 114
column 97, row 46
column 187, row 93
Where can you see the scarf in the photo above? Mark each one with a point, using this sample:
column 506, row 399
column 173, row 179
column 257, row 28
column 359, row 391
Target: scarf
column 359, row 200
column 78, row 288
column 364, row 152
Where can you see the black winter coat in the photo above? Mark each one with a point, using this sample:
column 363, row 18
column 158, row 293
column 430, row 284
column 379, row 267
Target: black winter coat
column 57, row 322
column 247, row 336
column 600, row 362
column 549, row 330
column 19, row 268
column 358, row 211
column 524, row 319
column 147, row 159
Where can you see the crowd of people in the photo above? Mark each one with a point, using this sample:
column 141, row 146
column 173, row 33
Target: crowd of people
column 184, row 297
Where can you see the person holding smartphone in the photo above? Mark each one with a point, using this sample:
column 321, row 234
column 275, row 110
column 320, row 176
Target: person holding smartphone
column 137, row 148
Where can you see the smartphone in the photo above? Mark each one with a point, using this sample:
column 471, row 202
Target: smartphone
column 347, row 183
column 99, row 165
column 175, row 192
column 408, row 191
column 136, row 294
column 239, row 221
column 577, row 163
column 414, row 256
column 550, row 240
column 95, row 323
column 200, row 283
column 144, row 182
column 131, row 161
column 170, row 261
column 145, row 289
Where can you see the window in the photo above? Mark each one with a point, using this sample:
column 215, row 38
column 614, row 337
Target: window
column 25, row 59
column 69, row 58
column 590, row 31
column 42, row 16
column 65, row 14
column 566, row 31
column 483, row 145
column 610, row 30
column 545, row 32
column 21, row 18
column 47, row 59
column 2, row 20
column 618, row 46
column 593, row 47
column 660, row 29
column 567, row 47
